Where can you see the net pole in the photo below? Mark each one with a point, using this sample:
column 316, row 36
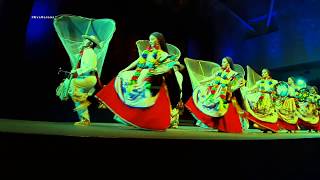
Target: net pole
column 201, row 68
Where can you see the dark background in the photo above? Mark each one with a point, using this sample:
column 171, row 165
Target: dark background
column 31, row 53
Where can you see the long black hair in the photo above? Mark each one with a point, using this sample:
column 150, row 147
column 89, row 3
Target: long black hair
column 236, row 93
column 230, row 61
column 293, row 79
column 171, row 82
column 161, row 40
column 315, row 88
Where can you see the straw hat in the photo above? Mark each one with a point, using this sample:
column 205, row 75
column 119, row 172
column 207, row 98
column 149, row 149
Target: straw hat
column 93, row 39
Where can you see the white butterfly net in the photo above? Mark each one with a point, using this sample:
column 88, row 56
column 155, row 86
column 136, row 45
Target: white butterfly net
column 252, row 77
column 199, row 70
column 70, row 29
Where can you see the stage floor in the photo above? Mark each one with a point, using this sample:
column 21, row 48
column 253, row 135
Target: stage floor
column 115, row 130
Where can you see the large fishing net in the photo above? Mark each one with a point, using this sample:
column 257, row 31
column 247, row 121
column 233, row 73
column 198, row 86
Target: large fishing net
column 70, row 29
column 252, row 77
column 199, row 70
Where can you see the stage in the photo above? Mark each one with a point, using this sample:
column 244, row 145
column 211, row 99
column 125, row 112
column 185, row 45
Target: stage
column 247, row 154
column 120, row 131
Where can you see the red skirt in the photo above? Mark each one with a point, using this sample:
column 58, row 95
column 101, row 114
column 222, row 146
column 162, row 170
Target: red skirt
column 230, row 122
column 309, row 126
column 284, row 125
column 156, row 117
column 270, row 126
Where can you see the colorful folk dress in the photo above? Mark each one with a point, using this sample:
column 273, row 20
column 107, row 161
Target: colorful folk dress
column 261, row 106
column 308, row 112
column 214, row 105
column 139, row 97
column 287, row 109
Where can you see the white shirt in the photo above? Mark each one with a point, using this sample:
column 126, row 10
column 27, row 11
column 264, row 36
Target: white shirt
column 88, row 61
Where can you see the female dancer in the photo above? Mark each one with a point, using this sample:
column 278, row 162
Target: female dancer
column 260, row 103
column 287, row 111
column 213, row 102
column 308, row 111
column 134, row 95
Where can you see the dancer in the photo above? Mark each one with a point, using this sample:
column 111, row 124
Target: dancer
column 213, row 102
column 260, row 100
column 308, row 110
column 287, row 111
column 82, row 85
column 86, row 41
column 138, row 95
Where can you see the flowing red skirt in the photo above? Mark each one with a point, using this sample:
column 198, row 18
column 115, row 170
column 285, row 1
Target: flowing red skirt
column 270, row 126
column 308, row 126
column 156, row 117
column 284, row 125
column 230, row 122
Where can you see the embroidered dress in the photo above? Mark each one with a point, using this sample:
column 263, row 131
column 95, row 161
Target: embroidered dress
column 134, row 95
column 287, row 111
column 134, row 87
column 213, row 104
column 261, row 106
column 308, row 112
